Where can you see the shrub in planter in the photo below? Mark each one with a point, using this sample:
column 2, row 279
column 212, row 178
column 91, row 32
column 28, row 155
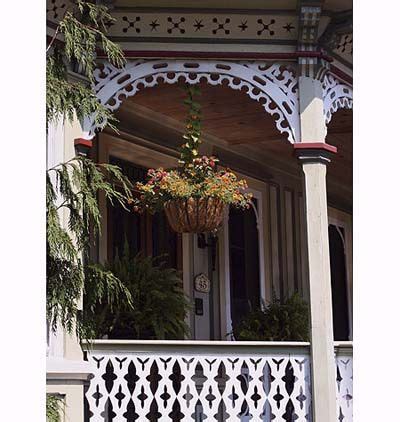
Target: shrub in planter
column 281, row 320
column 195, row 194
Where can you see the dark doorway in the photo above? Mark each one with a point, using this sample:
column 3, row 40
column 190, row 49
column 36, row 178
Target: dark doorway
column 244, row 262
column 145, row 233
column 339, row 283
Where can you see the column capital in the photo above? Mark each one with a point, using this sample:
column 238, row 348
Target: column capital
column 83, row 146
column 314, row 152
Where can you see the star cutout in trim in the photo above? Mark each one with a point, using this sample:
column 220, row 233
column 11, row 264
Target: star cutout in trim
column 154, row 25
column 243, row 26
column 288, row 27
column 198, row 25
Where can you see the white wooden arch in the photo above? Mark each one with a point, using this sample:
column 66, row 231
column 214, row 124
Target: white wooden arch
column 271, row 84
column 336, row 95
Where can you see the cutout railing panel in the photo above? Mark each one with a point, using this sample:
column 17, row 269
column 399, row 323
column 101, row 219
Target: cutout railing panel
column 195, row 381
column 344, row 382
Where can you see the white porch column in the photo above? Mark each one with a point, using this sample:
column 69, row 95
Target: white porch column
column 313, row 154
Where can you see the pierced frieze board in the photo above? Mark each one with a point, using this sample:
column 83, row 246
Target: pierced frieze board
column 273, row 85
column 336, row 95
column 55, row 9
column 344, row 47
column 220, row 387
column 244, row 26
column 344, row 383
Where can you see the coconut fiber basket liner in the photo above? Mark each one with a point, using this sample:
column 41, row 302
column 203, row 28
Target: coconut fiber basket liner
column 195, row 215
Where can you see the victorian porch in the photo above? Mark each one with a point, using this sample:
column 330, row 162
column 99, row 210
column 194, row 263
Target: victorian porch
column 282, row 121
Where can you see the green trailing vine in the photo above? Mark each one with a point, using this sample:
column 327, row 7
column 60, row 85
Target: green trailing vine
column 190, row 148
column 196, row 176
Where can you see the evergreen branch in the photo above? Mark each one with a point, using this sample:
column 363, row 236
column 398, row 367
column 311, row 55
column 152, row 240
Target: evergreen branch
column 56, row 32
column 77, row 183
column 82, row 29
column 53, row 39
column 81, row 40
column 53, row 408
column 66, row 100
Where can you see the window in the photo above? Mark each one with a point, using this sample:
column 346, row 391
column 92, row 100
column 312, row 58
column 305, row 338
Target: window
column 340, row 249
column 339, row 283
column 244, row 257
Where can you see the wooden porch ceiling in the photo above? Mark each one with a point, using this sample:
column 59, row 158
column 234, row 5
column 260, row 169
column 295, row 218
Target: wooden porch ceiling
column 340, row 134
column 238, row 125
column 227, row 114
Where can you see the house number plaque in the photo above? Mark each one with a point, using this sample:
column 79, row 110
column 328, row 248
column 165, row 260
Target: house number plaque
column 202, row 283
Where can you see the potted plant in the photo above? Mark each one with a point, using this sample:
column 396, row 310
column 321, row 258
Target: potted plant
column 158, row 307
column 195, row 194
column 281, row 320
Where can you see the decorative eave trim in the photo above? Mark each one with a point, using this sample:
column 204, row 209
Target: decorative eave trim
column 336, row 95
column 271, row 84
column 180, row 23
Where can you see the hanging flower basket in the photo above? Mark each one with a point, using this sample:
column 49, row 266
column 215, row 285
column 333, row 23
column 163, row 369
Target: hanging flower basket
column 195, row 215
column 195, row 194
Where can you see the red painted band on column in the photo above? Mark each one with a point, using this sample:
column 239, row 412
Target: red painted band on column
column 315, row 145
column 88, row 143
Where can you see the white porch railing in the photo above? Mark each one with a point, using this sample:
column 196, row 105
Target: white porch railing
column 344, row 381
column 196, row 381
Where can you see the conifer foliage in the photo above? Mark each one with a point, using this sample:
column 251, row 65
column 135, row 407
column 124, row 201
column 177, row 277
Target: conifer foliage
column 73, row 214
column 72, row 189
column 83, row 29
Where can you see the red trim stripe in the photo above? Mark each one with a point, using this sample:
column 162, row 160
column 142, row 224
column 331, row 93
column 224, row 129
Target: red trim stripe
column 162, row 54
column 342, row 75
column 156, row 54
column 83, row 142
column 315, row 145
